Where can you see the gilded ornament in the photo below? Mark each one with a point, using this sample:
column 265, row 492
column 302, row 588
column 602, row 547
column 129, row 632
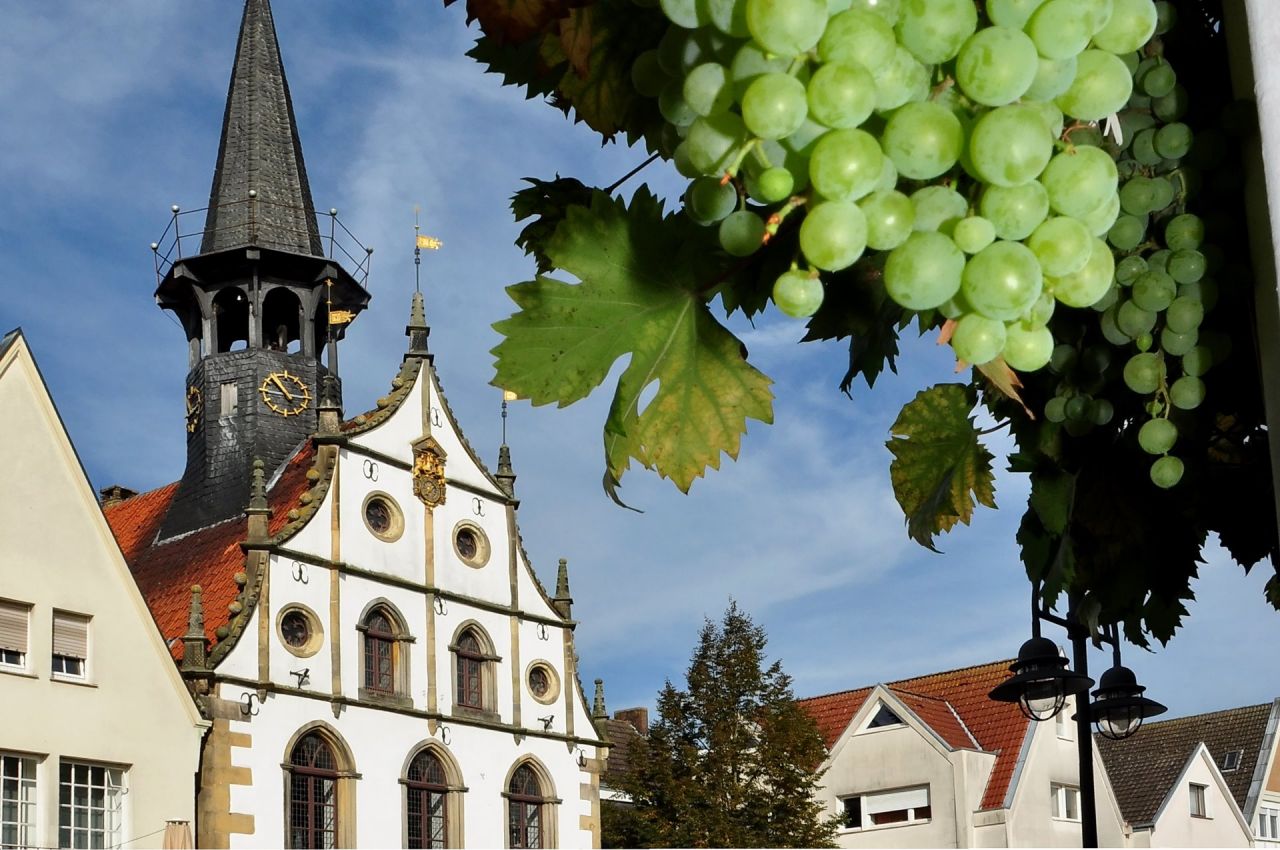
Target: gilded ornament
column 428, row 472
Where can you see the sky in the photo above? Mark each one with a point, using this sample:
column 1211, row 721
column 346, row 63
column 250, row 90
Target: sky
column 112, row 112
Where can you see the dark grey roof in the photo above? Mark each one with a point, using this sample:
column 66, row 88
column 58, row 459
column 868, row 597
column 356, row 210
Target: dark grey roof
column 9, row 339
column 260, row 151
column 1143, row 768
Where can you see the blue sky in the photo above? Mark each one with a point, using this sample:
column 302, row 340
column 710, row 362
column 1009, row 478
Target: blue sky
column 112, row 113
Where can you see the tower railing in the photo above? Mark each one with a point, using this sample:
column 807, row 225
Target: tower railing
column 182, row 237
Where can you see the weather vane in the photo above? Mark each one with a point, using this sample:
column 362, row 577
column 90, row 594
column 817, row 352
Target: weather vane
column 420, row 241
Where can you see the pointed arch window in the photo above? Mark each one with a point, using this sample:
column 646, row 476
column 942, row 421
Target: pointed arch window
column 384, row 671
column 426, row 804
column 524, row 808
column 313, row 794
column 470, row 671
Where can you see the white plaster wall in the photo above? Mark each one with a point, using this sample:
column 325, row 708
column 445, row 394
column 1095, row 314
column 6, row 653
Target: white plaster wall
column 492, row 582
column 1055, row 760
column 403, row 557
column 132, row 710
column 381, row 743
column 460, row 465
column 395, row 436
column 1176, row 827
column 885, row 759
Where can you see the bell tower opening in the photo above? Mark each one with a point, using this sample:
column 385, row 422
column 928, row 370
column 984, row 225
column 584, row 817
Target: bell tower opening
column 231, row 320
column 282, row 321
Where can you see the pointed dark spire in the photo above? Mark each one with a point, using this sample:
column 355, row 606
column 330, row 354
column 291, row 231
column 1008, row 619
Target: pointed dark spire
column 598, row 711
column 506, row 474
column 417, row 329
column 193, row 646
column 260, row 194
column 563, row 601
column 329, row 409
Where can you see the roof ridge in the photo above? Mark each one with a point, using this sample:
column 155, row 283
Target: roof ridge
column 1000, row 662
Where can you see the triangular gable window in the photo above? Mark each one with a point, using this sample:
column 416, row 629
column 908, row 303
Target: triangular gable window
column 884, row 717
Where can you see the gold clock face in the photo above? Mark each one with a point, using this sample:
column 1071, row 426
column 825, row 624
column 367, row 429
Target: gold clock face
column 285, row 393
column 195, row 400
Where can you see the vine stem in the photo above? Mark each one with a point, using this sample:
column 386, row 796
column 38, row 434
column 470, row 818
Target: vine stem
column 996, row 427
column 632, row 173
column 775, row 220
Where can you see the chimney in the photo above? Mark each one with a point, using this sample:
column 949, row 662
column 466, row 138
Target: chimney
column 115, row 494
column 637, row 717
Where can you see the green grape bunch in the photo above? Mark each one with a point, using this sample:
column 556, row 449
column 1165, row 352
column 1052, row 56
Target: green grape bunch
column 1000, row 161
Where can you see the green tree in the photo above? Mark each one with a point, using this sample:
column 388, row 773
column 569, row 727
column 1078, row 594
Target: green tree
column 732, row 760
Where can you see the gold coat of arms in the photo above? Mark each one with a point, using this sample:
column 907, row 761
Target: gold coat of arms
column 428, row 472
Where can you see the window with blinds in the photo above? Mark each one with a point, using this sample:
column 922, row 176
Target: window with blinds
column 882, row 808
column 70, row 644
column 14, row 626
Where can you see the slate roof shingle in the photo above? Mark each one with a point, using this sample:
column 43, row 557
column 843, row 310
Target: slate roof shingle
column 1144, row 767
column 955, row 705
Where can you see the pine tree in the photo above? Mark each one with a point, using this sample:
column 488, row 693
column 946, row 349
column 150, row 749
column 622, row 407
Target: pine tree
column 731, row 761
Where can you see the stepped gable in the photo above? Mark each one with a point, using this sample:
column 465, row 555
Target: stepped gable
column 955, row 705
column 1144, row 767
column 209, row 557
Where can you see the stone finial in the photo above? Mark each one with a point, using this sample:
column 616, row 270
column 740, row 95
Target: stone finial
column 259, row 512
column 506, row 475
column 563, row 601
column 417, row 329
column 329, row 407
column 598, row 711
column 193, row 647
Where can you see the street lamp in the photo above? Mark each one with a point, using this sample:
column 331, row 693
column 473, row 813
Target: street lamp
column 1118, row 706
column 1042, row 681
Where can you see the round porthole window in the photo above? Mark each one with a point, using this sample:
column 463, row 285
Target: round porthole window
column 471, row 544
column 382, row 517
column 543, row 683
column 299, row 630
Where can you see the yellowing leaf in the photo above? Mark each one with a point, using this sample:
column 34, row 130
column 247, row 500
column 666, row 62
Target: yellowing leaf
column 642, row 296
column 939, row 467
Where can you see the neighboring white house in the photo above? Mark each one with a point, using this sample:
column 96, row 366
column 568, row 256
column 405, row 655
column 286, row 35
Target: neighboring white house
column 933, row 762
column 349, row 599
column 99, row 738
column 1207, row 780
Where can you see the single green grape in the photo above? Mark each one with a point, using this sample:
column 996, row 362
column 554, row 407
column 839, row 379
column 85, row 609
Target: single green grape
column 1197, row 361
column 1166, row 472
column 833, row 235
column 1187, row 392
column 937, row 206
column 1157, row 436
column 924, row 271
column 934, row 30
column 773, row 185
column 1184, row 231
column 1134, row 321
column 786, row 27
column 841, row 95
column 1154, row 291
column 1003, row 280
column 923, row 139
column 1186, row 265
column 1027, row 347
column 774, row 106
column 1143, row 372
column 973, row 233
column 890, row 218
column 741, row 233
column 1055, row 409
column 1129, row 269
column 977, row 339
column 798, row 294
column 1178, row 344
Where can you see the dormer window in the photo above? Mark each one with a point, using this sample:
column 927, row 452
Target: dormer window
column 884, row 717
column 1231, row 760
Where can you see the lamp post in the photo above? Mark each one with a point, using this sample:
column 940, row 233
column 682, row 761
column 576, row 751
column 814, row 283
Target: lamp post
column 1042, row 681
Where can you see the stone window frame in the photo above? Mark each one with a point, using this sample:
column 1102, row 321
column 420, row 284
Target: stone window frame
column 484, row 549
column 396, row 530
column 455, row 795
column 547, row 801
column 553, row 681
column 314, row 643
column 400, row 694
column 346, row 778
column 489, row 661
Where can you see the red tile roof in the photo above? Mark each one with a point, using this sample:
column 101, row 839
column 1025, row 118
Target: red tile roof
column 209, row 557
column 998, row 727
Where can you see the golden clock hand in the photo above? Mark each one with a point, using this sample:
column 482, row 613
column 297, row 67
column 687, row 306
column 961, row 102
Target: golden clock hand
column 287, row 395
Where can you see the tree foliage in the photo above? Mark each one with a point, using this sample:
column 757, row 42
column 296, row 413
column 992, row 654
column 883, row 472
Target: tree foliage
column 731, row 760
column 1095, row 527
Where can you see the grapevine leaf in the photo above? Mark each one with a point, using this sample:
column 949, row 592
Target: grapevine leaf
column 518, row 65
column 1051, row 495
column 939, row 468
column 575, row 39
column 1005, row 380
column 548, row 200
column 643, row 278
column 856, row 306
column 515, row 21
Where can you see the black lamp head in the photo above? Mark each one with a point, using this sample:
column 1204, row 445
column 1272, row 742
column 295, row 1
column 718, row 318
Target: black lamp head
column 1119, row 707
column 1041, row 681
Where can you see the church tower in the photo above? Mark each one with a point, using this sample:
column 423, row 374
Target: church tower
column 256, row 301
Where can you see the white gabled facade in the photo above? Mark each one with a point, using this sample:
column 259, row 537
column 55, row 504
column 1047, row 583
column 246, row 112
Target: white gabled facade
column 1197, row 811
column 334, row 568
column 99, row 738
